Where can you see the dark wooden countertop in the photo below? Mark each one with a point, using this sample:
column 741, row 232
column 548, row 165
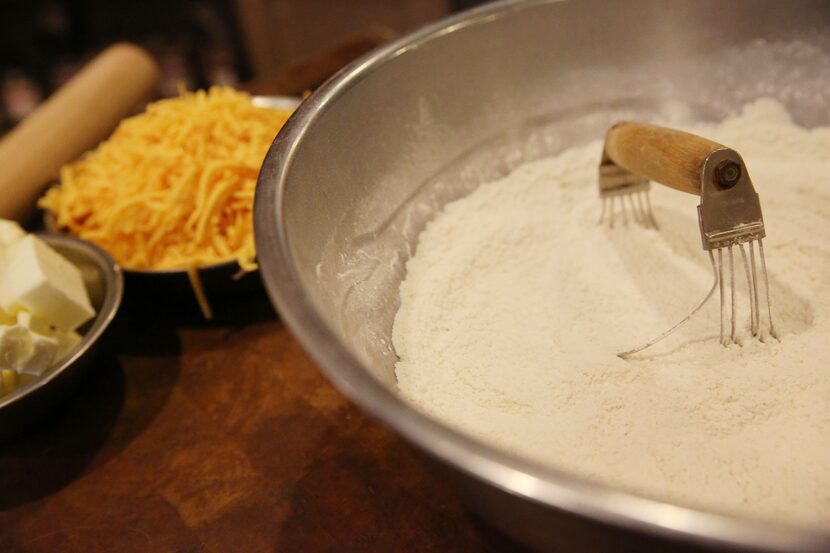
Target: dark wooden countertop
column 222, row 436
column 192, row 436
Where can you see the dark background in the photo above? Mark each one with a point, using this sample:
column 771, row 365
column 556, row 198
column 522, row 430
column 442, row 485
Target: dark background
column 197, row 42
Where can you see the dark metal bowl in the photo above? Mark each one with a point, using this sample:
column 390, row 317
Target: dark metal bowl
column 105, row 285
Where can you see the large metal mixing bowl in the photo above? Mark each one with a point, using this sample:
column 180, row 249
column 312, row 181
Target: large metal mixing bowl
column 370, row 157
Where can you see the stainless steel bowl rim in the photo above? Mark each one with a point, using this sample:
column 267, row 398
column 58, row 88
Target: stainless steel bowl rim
column 109, row 308
column 531, row 481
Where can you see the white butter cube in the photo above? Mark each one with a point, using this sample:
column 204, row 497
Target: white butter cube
column 30, row 351
column 42, row 355
column 35, row 324
column 10, row 232
column 66, row 343
column 15, row 346
column 24, row 318
column 38, row 279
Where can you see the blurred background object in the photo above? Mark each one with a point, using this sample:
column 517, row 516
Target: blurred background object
column 43, row 43
column 276, row 32
column 79, row 115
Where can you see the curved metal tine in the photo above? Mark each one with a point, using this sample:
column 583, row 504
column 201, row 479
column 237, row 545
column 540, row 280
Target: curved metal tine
column 639, row 212
column 611, row 211
column 733, row 332
column 626, row 354
column 755, row 285
column 604, row 207
column 634, row 215
column 720, row 284
column 772, row 331
column 753, row 292
column 648, row 219
column 651, row 218
column 624, row 212
column 643, row 208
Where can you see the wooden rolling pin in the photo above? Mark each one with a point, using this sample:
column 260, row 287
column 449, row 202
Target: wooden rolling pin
column 73, row 120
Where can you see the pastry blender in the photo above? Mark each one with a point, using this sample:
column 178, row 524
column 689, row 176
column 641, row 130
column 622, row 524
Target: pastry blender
column 729, row 212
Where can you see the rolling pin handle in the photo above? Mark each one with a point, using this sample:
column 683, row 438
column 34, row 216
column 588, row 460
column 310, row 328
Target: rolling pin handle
column 73, row 120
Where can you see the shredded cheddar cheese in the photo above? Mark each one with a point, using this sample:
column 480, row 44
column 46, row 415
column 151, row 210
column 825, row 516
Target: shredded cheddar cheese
column 172, row 188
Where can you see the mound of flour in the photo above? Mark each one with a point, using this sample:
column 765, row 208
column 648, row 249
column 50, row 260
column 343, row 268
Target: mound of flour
column 516, row 303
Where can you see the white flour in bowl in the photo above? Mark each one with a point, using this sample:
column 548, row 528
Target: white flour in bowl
column 516, row 303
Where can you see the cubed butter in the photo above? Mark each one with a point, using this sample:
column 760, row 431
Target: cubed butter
column 38, row 279
column 15, row 346
column 42, row 355
column 35, row 324
column 66, row 343
column 30, row 346
column 10, row 232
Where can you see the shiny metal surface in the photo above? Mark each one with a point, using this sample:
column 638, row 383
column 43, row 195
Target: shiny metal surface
column 729, row 214
column 369, row 158
column 105, row 285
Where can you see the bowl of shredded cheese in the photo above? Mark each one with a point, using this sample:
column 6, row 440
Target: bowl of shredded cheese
column 170, row 193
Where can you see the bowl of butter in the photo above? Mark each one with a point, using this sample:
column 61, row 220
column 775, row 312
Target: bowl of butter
column 58, row 294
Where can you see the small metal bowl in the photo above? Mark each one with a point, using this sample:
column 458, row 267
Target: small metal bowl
column 105, row 284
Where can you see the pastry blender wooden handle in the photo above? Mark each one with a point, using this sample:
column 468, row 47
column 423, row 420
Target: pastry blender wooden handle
column 668, row 156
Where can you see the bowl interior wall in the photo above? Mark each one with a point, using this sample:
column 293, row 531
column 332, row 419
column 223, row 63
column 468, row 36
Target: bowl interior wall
column 440, row 116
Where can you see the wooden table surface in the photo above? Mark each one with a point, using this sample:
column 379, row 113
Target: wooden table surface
column 221, row 436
